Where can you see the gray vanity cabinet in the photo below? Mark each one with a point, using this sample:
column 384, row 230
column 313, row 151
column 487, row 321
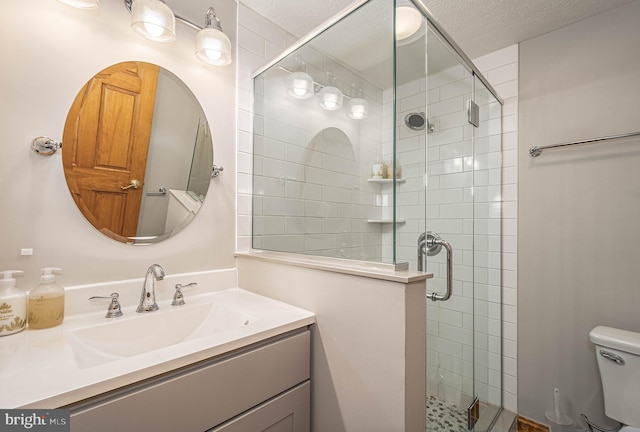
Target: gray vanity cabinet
column 263, row 388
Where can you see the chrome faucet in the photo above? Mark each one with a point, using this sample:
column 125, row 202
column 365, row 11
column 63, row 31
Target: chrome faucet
column 148, row 296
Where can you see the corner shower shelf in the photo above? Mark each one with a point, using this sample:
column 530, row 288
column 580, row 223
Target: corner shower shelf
column 385, row 221
column 385, row 181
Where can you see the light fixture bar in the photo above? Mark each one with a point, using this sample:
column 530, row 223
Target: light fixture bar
column 128, row 3
column 189, row 23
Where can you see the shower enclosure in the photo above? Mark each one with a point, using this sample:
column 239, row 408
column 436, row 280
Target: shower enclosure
column 376, row 139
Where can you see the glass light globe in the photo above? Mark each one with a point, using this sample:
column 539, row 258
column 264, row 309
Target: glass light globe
column 213, row 47
column 82, row 4
column 299, row 85
column 330, row 98
column 153, row 20
column 358, row 108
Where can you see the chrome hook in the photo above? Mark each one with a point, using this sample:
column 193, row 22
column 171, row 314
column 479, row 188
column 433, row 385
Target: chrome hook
column 217, row 170
column 45, row 146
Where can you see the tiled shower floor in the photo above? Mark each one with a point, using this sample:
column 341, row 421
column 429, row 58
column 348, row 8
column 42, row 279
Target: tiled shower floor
column 445, row 416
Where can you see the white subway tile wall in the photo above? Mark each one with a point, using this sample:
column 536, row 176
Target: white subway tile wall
column 311, row 166
column 254, row 35
column 317, row 200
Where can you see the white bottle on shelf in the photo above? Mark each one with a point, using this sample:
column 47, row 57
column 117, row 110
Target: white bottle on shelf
column 377, row 169
column 13, row 304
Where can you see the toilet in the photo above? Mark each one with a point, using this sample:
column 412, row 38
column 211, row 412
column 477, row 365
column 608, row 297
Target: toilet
column 618, row 353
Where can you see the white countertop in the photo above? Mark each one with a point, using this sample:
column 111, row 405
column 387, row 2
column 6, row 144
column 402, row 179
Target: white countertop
column 38, row 368
column 368, row 269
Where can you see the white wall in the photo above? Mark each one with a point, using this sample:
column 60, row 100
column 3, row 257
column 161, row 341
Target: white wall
column 368, row 344
column 579, row 208
column 51, row 50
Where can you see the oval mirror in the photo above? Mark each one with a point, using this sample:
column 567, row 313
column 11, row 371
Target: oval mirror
column 137, row 154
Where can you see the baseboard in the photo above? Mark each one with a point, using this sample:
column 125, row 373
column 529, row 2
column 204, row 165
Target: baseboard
column 528, row 425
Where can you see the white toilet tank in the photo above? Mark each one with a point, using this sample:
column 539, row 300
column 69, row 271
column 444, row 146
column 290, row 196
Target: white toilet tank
column 618, row 353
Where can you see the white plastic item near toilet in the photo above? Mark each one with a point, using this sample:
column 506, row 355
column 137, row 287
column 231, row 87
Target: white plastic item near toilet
column 618, row 354
column 555, row 419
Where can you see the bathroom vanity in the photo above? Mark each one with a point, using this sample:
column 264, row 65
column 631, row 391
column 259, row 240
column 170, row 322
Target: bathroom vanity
column 264, row 387
column 228, row 360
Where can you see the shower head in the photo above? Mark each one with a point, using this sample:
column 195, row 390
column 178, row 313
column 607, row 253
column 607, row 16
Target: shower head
column 418, row 122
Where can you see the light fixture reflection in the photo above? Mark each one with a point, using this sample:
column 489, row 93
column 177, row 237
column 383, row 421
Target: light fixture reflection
column 153, row 20
column 212, row 45
column 82, row 4
column 357, row 107
column 330, row 95
column 330, row 98
column 300, row 83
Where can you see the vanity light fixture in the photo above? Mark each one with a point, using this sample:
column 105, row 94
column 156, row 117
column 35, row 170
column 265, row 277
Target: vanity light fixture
column 82, row 4
column 330, row 95
column 299, row 83
column 212, row 45
column 357, row 106
column 154, row 20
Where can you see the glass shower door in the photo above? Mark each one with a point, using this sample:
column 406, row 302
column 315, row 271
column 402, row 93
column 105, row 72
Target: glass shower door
column 449, row 202
column 487, row 248
column 452, row 197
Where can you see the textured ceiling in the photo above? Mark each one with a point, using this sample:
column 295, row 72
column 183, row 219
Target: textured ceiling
column 478, row 26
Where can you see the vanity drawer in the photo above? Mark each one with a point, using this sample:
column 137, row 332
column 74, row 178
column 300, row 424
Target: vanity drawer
column 199, row 398
column 289, row 412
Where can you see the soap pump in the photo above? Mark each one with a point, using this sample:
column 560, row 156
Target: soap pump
column 13, row 304
column 46, row 301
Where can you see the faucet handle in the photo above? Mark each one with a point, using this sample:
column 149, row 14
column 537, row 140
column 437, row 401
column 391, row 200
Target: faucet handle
column 114, row 310
column 178, row 297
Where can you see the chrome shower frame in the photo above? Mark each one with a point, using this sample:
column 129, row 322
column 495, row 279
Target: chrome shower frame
column 433, row 25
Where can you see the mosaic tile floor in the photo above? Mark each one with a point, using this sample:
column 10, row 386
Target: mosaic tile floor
column 445, row 416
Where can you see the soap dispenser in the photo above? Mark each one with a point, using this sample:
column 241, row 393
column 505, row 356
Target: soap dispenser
column 46, row 301
column 13, row 304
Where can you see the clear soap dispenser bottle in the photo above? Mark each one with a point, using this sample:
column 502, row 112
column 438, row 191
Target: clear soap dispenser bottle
column 46, row 301
column 13, row 304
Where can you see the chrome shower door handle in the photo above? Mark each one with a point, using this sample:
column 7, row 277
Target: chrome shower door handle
column 430, row 243
column 446, row 295
column 422, row 250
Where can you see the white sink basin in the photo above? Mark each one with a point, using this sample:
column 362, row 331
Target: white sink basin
column 141, row 333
